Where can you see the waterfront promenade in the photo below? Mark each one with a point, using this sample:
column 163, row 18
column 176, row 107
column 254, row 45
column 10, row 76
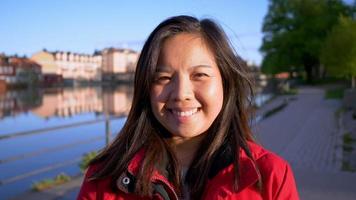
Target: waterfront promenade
column 306, row 133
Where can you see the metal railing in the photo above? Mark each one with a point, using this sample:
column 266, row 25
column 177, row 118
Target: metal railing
column 14, row 158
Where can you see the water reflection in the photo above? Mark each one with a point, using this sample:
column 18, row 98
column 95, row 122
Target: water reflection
column 117, row 101
column 49, row 130
column 69, row 102
column 66, row 102
column 20, row 101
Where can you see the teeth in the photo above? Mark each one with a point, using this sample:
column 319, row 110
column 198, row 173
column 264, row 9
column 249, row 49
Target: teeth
column 185, row 113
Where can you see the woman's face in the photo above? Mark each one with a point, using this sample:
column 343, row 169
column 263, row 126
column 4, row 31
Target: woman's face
column 187, row 92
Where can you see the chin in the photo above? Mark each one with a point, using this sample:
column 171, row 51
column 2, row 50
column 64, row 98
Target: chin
column 185, row 135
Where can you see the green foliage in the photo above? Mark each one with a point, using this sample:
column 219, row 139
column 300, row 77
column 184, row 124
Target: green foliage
column 334, row 93
column 348, row 148
column 290, row 91
column 83, row 165
column 294, row 32
column 347, row 138
column 49, row 183
column 348, row 142
column 329, row 80
column 339, row 51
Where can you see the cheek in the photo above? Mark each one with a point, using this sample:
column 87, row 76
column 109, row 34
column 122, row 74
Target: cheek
column 213, row 95
column 156, row 97
column 219, row 98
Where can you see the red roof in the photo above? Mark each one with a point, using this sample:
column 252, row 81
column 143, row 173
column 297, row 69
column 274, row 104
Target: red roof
column 24, row 63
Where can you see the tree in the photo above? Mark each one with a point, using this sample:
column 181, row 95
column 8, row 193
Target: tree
column 339, row 51
column 294, row 31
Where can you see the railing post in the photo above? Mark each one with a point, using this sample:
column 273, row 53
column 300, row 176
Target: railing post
column 107, row 129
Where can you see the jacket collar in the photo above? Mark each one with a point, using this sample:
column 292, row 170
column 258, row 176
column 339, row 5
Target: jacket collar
column 126, row 181
column 223, row 171
column 248, row 173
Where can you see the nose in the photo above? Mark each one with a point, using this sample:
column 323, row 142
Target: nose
column 182, row 89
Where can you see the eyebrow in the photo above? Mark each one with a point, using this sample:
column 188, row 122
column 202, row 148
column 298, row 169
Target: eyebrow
column 163, row 69
column 198, row 66
column 168, row 69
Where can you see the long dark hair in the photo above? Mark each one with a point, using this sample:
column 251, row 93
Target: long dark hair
column 142, row 130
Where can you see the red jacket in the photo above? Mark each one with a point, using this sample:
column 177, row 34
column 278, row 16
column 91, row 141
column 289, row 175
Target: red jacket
column 277, row 181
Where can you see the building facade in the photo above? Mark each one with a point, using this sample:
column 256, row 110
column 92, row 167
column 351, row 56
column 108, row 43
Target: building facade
column 118, row 60
column 19, row 71
column 71, row 66
column 7, row 72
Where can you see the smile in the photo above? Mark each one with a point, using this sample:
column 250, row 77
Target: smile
column 185, row 113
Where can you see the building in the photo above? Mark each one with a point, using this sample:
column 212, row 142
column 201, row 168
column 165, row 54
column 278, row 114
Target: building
column 7, row 72
column 26, row 71
column 70, row 66
column 119, row 60
column 108, row 64
column 118, row 64
column 19, row 71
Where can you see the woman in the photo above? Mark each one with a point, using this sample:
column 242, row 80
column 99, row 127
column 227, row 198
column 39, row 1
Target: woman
column 187, row 135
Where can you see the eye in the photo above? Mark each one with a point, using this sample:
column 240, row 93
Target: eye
column 200, row 76
column 162, row 79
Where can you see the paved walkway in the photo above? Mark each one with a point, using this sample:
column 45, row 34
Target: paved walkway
column 305, row 133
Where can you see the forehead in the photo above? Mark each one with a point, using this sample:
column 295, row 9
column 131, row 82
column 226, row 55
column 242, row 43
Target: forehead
column 185, row 49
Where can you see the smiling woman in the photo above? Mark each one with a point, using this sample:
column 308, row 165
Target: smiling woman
column 187, row 135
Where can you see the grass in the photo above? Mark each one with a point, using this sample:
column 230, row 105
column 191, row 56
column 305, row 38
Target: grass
column 49, row 183
column 292, row 91
column 347, row 138
column 347, row 147
column 328, row 80
column 63, row 178
column 83, row 165
column 347, row 142
column 334, row 93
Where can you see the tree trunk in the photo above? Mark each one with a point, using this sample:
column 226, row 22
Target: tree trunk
column 353, row 82
column 309, row 71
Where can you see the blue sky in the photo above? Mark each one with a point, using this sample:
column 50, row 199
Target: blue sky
column 81, row 26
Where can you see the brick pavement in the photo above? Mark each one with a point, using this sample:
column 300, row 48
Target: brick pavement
column 307, row 134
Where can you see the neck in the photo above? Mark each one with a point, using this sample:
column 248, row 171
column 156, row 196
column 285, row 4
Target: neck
column 185, row 148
